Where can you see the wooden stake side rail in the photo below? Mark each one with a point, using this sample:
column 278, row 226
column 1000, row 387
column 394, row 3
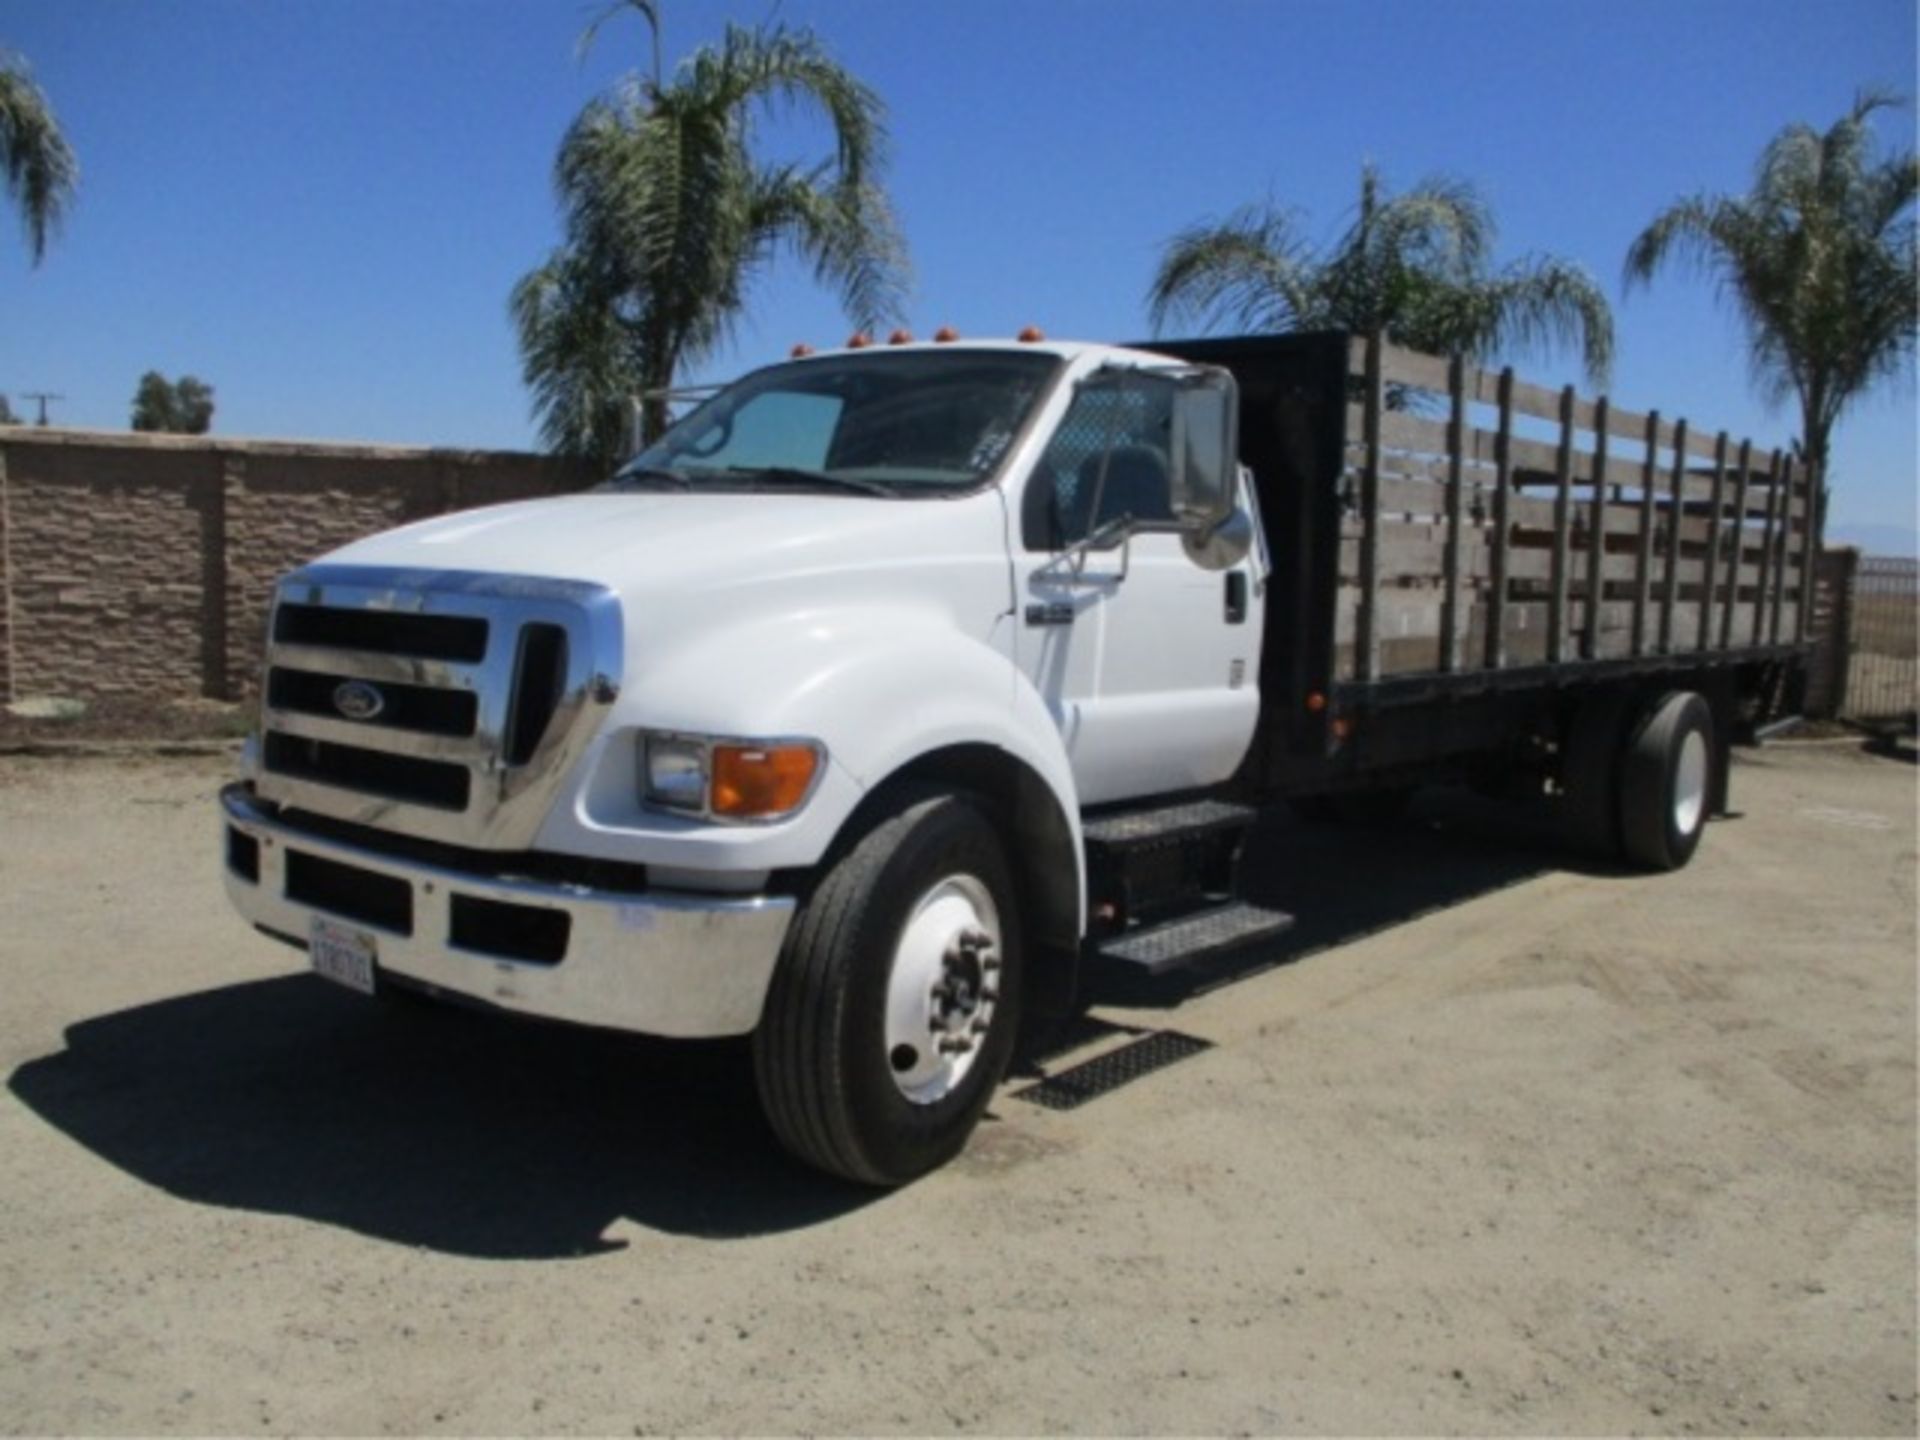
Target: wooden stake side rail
column 1624, row 536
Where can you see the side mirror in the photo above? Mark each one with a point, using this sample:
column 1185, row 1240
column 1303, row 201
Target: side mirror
column 1206, row 433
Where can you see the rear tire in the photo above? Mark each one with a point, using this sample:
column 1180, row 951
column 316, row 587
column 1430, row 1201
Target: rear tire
column 908, row 948
column 1666, row 781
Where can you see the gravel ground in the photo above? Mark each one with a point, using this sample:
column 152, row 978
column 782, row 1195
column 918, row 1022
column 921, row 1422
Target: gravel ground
column 1489, row 1145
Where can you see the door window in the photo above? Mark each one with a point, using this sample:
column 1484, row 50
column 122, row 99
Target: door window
column 1125, row 421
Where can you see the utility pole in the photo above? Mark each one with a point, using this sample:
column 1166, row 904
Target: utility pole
column 43, row 396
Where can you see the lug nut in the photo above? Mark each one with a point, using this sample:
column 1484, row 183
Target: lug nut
column 955, row 1045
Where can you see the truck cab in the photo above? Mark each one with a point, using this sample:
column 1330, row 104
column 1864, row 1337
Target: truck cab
column 834, row 718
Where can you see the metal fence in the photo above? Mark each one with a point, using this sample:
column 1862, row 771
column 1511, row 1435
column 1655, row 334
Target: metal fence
column 1883, row 634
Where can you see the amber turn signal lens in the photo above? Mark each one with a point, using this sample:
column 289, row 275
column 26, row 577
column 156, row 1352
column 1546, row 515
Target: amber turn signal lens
column 758, row 781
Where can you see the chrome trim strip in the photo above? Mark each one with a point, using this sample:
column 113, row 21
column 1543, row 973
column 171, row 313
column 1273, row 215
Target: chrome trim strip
column 374, row 666
column 388, row 739
column 657, row 963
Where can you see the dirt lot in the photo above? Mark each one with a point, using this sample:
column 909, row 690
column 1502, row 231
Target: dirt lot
column 1502, row 1147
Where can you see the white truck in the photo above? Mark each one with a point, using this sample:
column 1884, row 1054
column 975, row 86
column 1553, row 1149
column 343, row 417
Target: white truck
column 893, row 686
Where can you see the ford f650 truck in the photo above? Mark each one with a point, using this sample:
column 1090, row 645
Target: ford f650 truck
column 894, row 686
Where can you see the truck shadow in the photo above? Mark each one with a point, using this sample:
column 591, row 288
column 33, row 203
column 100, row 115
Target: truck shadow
column 456, row 1131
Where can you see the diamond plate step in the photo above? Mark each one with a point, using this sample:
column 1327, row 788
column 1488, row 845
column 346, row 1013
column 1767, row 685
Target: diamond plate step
column 1166, row 825
column 1073, row 1087
column 1168, row 946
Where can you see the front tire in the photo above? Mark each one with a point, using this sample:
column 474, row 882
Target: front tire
column 892, row 1012
column 1666, row 781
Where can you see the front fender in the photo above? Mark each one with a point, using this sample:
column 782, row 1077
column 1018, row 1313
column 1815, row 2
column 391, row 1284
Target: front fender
column 879, row 690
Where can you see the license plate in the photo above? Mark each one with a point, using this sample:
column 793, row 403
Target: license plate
column 342, row 954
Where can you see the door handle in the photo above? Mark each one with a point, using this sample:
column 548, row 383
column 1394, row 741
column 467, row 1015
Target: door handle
column 1236, row 597
column 1058, row 612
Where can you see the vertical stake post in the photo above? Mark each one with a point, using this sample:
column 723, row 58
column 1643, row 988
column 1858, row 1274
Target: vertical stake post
column 1643, row 565
column 1597, row 536
column 1502, row 488
column 1450, row 616
column 1366, row 639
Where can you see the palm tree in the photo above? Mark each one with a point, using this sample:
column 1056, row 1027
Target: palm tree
column 1818, row 257
column 40, row 168
column 669, row 217
column 1414, row 266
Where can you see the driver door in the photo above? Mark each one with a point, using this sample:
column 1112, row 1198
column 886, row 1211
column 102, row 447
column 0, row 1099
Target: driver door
column 1148, row 662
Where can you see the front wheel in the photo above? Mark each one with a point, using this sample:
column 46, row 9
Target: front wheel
column 892, row 1013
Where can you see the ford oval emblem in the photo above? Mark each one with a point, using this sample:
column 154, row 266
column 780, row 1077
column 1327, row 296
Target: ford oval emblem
column 357, row 700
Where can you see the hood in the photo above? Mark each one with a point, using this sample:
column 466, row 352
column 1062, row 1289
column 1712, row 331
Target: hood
column 678, row 541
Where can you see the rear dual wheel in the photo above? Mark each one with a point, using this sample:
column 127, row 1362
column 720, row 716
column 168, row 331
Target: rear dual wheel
column 1638, row 782
column 1666, row 775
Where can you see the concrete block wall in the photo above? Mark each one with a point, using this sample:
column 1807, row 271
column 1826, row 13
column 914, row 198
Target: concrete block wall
column 140, row 566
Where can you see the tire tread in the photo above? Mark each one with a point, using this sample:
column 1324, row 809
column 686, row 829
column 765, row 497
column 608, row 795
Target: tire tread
column 802, row 1088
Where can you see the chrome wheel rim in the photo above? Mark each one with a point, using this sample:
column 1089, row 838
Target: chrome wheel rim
column 1690, row 783
column 943, row 989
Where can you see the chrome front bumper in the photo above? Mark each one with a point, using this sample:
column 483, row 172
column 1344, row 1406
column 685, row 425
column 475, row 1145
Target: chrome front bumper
column 656, row 962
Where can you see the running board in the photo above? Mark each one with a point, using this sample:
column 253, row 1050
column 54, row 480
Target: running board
column 1128, row 831
column 1172, row 944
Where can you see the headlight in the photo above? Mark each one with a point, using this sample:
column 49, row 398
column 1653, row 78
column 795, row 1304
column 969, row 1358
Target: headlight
column 729, row 779
column 677, row 772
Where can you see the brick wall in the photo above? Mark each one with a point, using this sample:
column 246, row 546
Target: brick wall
column 139, row 565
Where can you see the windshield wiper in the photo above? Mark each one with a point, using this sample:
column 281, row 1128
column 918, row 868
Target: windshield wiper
column 651, row 475
column 793, row 475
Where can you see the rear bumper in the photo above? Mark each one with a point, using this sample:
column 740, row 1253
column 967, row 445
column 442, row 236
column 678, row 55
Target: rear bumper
column 658, row 962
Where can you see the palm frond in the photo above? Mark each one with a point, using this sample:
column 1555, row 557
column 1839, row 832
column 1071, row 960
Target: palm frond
column 1817, row 259
column 668, row 219
column 1251, row 271
column 41, row 172
column 1541, row 303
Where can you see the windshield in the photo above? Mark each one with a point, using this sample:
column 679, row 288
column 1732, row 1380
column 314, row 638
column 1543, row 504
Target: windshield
column 903, row 424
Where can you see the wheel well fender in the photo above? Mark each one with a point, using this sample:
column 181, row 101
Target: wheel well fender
column 1042, row 840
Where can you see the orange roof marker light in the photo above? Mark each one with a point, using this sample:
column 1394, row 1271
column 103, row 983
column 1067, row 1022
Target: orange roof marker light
column 900, row 337
column 801, row 351
column 945, row 335
column 1032, row 335
column 859, row 340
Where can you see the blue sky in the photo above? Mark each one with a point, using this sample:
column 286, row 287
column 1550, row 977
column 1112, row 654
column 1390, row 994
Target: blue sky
column 320, row 205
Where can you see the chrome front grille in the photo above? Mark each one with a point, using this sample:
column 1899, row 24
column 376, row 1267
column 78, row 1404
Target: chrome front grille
column 440, row 704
